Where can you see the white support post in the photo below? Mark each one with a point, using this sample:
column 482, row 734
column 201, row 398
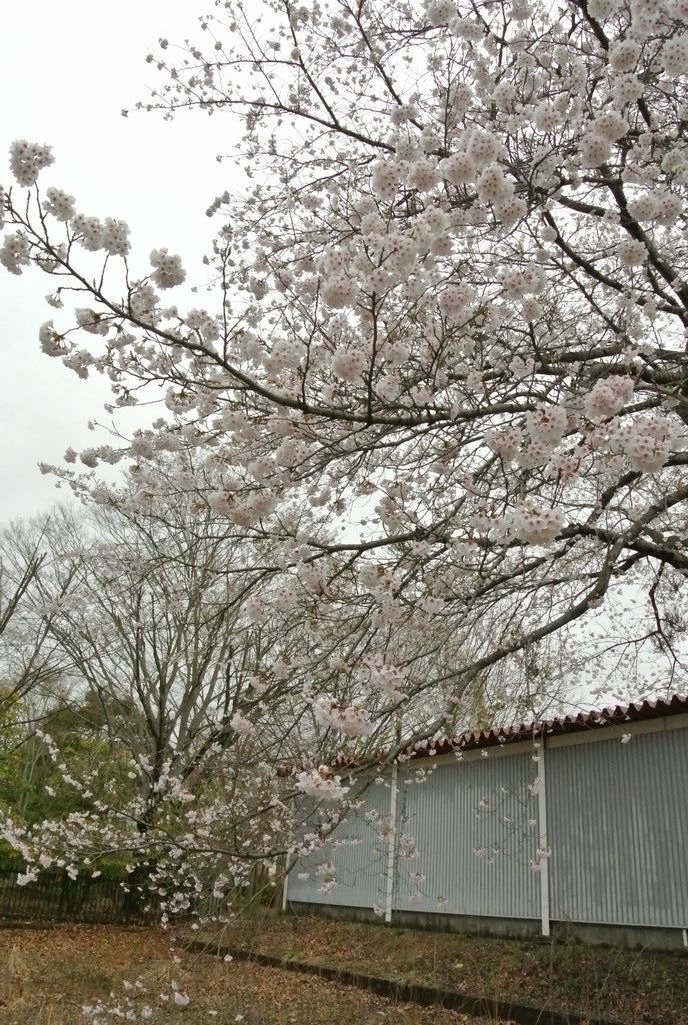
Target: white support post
column 285, row 881
column 391, row 850
column 543, row 841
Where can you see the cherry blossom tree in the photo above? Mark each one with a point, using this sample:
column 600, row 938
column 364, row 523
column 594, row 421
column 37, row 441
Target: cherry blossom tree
column 190, row 719
column 435, row 378
column 448, row 322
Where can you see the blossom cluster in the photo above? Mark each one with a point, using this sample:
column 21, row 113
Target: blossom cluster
column 386, row 677
column 536, row 524
column 168, row 270
column 15, row 252
column 321, row 783
column 27, row 160
column 350, row 720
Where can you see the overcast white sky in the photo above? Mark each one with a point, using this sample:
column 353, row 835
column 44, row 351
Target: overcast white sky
column 67, row 70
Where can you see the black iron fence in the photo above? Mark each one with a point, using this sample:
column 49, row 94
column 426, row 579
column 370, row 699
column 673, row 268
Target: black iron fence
column 55, row 896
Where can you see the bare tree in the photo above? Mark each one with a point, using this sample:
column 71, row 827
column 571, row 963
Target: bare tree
column 29, row 658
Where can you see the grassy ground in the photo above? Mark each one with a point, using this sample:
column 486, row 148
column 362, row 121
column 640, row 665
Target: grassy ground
column 632, row 987
column 46, row 975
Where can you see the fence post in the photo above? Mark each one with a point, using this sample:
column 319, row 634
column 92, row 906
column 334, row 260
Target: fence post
column 64, row 898
column 543, row 858
column 285, row 882
column 391, row 851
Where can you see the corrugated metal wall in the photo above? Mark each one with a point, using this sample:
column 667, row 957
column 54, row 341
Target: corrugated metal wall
column 467, row 836
column 358, row 851
column 474, row 825
column 618, row 829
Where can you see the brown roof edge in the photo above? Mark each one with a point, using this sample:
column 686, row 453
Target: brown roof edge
column 499, row 736
column 637, row 711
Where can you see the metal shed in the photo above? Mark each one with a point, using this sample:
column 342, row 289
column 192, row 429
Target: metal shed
column 578, row 824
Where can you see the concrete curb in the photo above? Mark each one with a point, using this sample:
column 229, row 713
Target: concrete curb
column 410, row 992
